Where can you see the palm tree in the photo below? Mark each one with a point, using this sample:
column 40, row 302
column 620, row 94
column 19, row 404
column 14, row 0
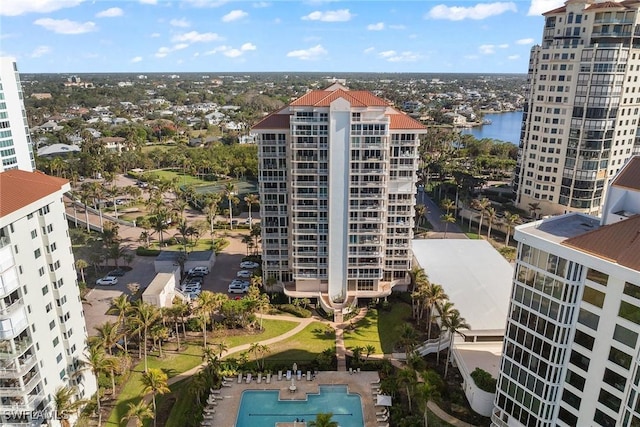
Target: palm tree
column 510, row 220
column 207, row 303
column 323, row 420
column 108, row 335
column 85, row 196
column 140, row 412
column 222, row 347
column 447, row 219
column 120, row 306
column 408, row 338
column 211, row 207
column 533, row 208
column 248, row 240
column 81, row 265
column 97, row 362
column 444, row 310
column 491, row 217
column 144, row 316
column 250, row 200
column 229, row 192
column 369, row 349
column 420, row 210
column 407, row 377
column 66, row 404
column 155, row 381
column 435, row 295
column 453, row 323
column 447, row 204
column 481, row 205
column 426, row 391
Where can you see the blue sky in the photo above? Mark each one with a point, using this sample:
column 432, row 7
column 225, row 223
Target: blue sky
column 254, row 36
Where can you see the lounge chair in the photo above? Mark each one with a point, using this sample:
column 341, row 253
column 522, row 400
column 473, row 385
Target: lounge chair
column 268, row 380
column 226, row 384
column 259, row 381
column 350, row 371
column 240, row 378
column 227, row 379
column 383, row 425
column 249, row 378
column 288, row 375
column 279, row 375
column 309, row 376
column 381, row 413
column 214, row 391
column 299, row 375
column 376, row 382
column 383, row 418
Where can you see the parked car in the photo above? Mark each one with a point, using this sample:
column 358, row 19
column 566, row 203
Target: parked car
column 117, row 272
column 240, row 282
column 198, row 271
column 238, row 289
column 191, row 290
column 107, row 281
column 245, row 274
column 195, row 279
column 249, row 264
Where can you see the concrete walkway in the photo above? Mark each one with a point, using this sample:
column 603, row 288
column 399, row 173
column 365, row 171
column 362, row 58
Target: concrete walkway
column 446, row 417
column 341, row 351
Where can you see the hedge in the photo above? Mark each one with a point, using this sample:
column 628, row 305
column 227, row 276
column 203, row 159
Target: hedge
column 296, row 311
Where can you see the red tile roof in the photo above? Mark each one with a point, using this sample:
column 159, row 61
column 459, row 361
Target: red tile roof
column 557, row 10
column 618, row 242
column 402, row 121
column 20, row 188
column 629, row 176
column 274, row 121
column 606, row 5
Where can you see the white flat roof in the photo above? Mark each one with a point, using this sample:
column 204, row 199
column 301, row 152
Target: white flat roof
column 474, row 275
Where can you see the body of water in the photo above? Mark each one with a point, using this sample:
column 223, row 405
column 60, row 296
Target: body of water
column 504, row 126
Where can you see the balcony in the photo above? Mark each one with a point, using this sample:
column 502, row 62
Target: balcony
column 29, row 383
column 614, row 34
column 8, row 282
column 26, row 403
column 13, row 321
column 17, row 368
column 19, row 348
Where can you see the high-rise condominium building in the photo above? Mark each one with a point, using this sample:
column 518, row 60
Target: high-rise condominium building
column 581, row 118
column 42, row 328
column 15, row 140
column 337, row 192
column 570, row 355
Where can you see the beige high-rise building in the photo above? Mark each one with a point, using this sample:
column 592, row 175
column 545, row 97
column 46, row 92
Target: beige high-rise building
column 337, row 194
column 581, row 119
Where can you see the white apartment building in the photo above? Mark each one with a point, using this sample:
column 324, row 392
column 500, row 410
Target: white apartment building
column 337, row 191
column 42, row 328
column 581, row 118
column 16, row 151
column 570, row 355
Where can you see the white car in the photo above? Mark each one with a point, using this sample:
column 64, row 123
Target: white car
column 240, row 282
column 245, row 274
column 191, row 288
column 199, row 270
column 238, row 289
column 107, row 281
column 249, row 264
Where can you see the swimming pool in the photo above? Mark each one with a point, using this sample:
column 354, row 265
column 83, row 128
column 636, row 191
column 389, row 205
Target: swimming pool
column 262, row 408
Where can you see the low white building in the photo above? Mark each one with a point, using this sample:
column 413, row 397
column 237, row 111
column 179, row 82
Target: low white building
column 162, row 289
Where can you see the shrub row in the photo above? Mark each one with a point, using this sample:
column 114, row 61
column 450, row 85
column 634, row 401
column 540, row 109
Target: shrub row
column 142, row 251
column 296, row 311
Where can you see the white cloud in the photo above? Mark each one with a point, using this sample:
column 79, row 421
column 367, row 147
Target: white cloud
column 479, row 11
column 471, row 57
column 164, row 51
column 525, row 41
column 149, row 1
column 397, row 27
column 180, row 46
column 376, row 27
column 341, row 15
column 66, row 26
column 310, row 54
column 206, row 3
column 136, row 59
column 234, row 15
column 39, row 51
column 196, row 37
column 261, row 4
column 20, row 7
column 112, row 12
column 487, row 49
column 232, row 53
column 182, row 23
column 247, row 46
column 393, row 56
column 154, row 35
column 369, row 50
column 538, row 7
column 217, row 50
column 503, row 46
column 513, row 57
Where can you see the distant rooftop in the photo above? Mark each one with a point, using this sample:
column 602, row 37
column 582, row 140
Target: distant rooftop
column 20, row 188
column 474, row 275
column 629, row 176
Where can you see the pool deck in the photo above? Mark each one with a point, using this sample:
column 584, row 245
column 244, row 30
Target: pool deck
column 360, row 383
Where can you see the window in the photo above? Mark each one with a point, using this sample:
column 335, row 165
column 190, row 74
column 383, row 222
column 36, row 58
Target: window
column 56, row 341
column 49, row 307
column 37, row 253
column 630, row 312
column 579, row 360
column 597, row 276
column 625, row 336
column 614, row 379
column 585, row 340
column 571, row 399
column 52, row 324
column 593, row 296
column 45, row 290
column 609, row 400
column 575, row 380
column 620, row 358
column 588, row 319
column 34, row 234
column 632, row 290
column 59, row 357
column 567, row 417
column 603, row 419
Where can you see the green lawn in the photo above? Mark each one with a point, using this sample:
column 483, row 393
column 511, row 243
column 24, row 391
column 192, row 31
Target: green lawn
column 302, row 347
column 183, row 179
column 178, row 402
column 272, row 328
column 378, row 328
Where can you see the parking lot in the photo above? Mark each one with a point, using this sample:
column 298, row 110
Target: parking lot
column 223, row 272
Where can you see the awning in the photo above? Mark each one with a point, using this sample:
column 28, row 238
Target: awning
column 383, row 400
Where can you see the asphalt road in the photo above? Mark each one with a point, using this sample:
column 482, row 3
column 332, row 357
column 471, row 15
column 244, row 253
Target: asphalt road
column 433, row 216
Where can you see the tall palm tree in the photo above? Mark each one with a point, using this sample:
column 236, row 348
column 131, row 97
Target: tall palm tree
column 491, row 217
column 426, row 391
column 230, row 194
column 533, row 208
column 250, row 200
column 207, row 303
column 144, row 316
column 444, row 310
column 420, row 210
column 447, row 205
column 407, row 377
column 453, row 323
column 66, row 404
column 81, row 265
column 97, row 362
column 211, row 207
column 435, row 296
column 140, row 412
column 120, row 306
column 408, row 338
column 482, row 205
column 85, row 197
column 155, row 381
column 447, row 219
column 108, row 334
column 510, row 220
column 323, row 419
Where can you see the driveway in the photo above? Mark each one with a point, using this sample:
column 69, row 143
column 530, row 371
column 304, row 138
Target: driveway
column 433, row 216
